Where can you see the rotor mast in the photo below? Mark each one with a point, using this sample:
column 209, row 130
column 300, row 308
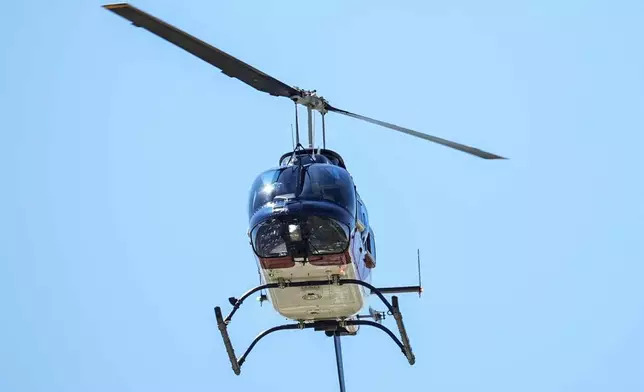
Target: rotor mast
column 312, row 102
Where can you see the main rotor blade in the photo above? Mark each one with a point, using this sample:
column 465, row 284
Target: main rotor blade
column 228, row 64
column 454, row 145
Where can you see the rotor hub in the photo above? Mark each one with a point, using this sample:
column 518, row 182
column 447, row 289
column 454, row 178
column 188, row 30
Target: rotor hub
column 310, row 99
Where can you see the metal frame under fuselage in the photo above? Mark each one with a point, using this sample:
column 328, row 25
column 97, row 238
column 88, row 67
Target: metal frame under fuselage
column 334, row 328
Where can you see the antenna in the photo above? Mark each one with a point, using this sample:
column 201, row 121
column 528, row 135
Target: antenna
column 420, row 285
column 405, row 289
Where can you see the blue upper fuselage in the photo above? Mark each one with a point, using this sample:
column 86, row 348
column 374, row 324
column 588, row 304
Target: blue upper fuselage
column 308, row 193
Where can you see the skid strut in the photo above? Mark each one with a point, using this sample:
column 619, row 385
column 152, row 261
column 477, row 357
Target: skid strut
column 327, row 325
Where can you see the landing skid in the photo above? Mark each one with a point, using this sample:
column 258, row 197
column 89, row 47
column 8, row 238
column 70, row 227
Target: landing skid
column 335, row 328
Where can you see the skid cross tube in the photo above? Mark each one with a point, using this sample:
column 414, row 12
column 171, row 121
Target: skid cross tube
column 324, row 324
column 394, row 309
column 401, row 290
column 287, row 284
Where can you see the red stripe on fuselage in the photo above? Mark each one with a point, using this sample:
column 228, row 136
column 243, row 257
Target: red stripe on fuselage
column 287, row 262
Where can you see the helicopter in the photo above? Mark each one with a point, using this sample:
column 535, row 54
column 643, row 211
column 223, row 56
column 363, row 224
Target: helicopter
column 309, row 228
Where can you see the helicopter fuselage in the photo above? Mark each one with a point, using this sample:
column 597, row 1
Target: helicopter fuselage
column 308, row 222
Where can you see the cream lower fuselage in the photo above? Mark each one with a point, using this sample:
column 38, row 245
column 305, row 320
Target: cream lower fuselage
column 326, row 302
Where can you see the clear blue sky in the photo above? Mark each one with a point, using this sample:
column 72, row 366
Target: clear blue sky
column 125, row 165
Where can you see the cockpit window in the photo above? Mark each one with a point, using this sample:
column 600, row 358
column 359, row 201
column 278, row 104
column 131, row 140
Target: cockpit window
column 272, row 184
column 304, row 159
column 329, row 183
column 321, row 182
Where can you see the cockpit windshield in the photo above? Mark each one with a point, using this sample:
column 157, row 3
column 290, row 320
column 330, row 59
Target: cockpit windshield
column 271, row 185
column 329, row 183
column 321, row 182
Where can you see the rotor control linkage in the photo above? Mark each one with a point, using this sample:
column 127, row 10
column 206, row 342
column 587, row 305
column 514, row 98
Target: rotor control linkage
column 394, row 310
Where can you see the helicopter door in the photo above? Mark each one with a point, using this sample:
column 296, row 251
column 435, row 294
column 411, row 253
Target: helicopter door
column 370, row 247
column 363, row 222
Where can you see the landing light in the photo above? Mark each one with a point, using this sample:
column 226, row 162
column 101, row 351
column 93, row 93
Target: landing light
column 294, row 232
